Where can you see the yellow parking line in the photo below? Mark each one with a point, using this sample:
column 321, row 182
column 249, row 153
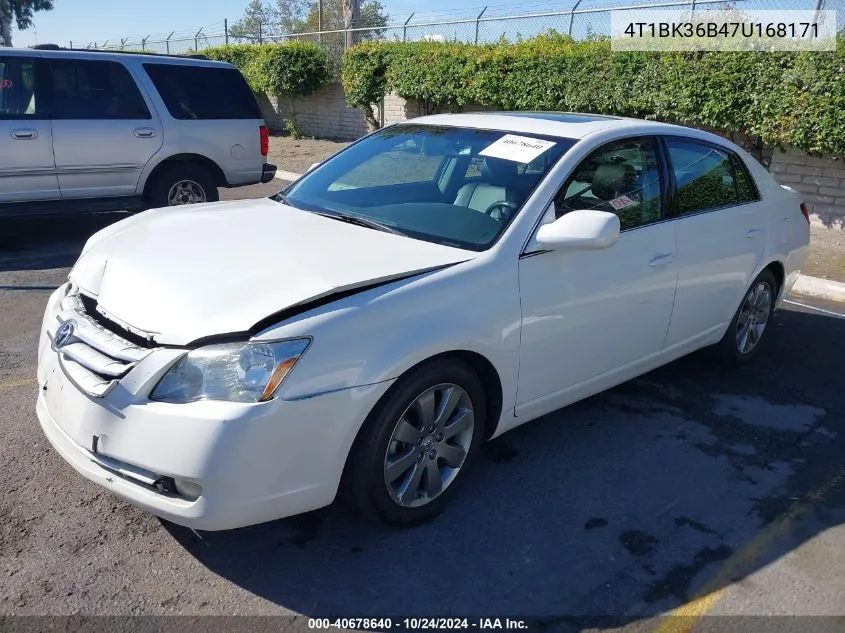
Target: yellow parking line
column 26, row 382
column 686, row 617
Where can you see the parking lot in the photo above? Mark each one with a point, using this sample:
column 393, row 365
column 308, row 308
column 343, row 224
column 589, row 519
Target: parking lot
column 722, row 491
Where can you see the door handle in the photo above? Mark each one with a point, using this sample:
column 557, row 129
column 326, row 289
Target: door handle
column 145, row 132
column 662, row 259
column 752, row 234
column 24, row 135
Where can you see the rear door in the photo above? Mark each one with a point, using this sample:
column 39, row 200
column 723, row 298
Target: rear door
column 27, row 170
column 214, row 113
column 104, row 133
column 721, row 227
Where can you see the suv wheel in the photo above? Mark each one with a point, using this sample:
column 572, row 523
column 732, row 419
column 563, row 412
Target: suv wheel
column 182, row 184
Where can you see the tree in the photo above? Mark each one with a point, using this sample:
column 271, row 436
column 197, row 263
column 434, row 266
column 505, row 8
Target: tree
column 258, row 21
column 284, row 17
column 19, row 12
column 351, row 20
column 372, row 15
column 268, row 19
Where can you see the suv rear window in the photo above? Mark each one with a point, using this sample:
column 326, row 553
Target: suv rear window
column 202, row 92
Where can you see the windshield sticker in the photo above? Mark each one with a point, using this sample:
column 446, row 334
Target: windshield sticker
column 622, row 202
column 520, row 149
column 6, row 83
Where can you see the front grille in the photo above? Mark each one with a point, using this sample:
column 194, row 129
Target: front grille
column 89, row 306
column 94, row 358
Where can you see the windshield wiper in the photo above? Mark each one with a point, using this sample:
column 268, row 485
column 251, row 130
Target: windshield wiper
column 359, row 220
column 281, row 197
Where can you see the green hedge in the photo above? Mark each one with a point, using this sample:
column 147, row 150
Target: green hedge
column 289, row 70
column 781, row 98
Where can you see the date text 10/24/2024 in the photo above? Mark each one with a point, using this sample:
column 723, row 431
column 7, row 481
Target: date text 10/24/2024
column 419, row 623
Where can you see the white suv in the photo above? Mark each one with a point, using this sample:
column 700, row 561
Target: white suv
column 117, row 131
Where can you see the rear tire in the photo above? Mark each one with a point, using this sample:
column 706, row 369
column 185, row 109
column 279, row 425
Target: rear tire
column 180, row 184
column 407, row 461
column 750, row 323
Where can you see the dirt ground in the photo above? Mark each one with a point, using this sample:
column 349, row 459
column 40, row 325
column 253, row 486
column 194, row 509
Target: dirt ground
column 298, row 155
column 826, row 258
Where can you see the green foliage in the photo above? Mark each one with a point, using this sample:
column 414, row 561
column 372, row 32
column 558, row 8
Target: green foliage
column 294, row 69
column 290, row 70
column 808, row 108
column 435, row 74
column 781, row 98
column 20, row 12
column 364, row 77
column 292, row 129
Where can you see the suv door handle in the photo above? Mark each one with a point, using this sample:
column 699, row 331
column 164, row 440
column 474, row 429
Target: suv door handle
column 662, row 259
column 24, row 135
column 752, row 234
column 145, row 132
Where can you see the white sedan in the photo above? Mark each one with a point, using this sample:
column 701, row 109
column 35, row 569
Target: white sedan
column 430, row 287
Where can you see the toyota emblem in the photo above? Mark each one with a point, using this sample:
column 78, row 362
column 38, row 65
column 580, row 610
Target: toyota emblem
column 64, row 334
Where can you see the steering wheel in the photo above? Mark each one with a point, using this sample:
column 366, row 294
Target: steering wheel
column 508, row 209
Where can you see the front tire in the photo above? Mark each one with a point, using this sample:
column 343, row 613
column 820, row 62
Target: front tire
column 745, row 333
column 181, row 184
column 418, row 444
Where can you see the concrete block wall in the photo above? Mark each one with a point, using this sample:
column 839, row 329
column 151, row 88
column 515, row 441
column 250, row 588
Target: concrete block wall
column 821, row 180
column 323, row 114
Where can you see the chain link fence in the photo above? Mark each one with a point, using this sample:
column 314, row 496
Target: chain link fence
column 581, row 19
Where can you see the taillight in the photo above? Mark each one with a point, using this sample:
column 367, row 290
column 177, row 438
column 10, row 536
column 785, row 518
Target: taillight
column 265, row 140
column 805, row 212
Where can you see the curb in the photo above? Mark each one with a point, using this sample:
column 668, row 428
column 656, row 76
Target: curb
column 287, row 176
column 822, row 288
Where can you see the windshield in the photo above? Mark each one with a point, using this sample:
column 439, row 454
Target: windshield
column 454, row 186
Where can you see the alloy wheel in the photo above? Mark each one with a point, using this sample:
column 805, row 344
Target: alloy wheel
column 429, row 445
column 753, row 317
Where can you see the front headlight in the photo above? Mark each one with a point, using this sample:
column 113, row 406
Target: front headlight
column 236, row 372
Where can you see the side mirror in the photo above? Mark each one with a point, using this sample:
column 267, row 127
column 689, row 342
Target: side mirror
column 313, row 166
column 580, row 231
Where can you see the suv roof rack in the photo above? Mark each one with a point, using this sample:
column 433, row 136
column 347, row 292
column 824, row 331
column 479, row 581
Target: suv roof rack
column 56, row 47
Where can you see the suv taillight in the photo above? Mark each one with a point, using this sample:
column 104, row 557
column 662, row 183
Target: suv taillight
column 805, row 212
column 265, row 140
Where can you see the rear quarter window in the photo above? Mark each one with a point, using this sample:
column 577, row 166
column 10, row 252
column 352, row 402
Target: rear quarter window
column 203, row 92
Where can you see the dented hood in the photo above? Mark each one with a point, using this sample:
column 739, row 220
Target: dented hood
column 188, row 273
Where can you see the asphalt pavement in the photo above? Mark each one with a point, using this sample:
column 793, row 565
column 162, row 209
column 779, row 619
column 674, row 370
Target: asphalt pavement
column 695, row 488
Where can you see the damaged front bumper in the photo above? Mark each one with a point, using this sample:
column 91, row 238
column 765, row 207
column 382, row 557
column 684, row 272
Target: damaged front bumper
column 208, row 465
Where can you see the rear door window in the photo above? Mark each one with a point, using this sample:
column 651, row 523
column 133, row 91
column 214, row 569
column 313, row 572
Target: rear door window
column 17, row 89
column 745, row 188
column 204, row 92
column 704, row 177
column 93, row 89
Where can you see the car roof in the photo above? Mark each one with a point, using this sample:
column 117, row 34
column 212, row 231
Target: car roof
column 573, row 125
column 76, row 53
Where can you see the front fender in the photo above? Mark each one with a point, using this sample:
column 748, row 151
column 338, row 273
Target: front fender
column 380, row 334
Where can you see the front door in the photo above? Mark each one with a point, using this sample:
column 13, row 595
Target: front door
column 104, row 133
column 27, row 170
column 590, row 318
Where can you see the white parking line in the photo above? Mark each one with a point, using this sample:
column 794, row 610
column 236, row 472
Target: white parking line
column 808, row 307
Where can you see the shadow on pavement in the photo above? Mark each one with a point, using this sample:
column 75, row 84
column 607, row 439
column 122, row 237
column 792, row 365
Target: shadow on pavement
column 43, row 243
column 625, row 505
